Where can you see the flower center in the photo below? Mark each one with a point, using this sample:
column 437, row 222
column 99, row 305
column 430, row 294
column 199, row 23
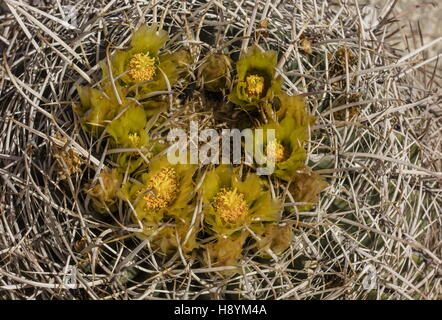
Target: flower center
column 134, row 138
column 230, row 205
column 162, row 190
column 255, row 85
column 141, row 67
column 275, row 151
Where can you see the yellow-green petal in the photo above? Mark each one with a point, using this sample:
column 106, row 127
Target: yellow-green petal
column 148, row 39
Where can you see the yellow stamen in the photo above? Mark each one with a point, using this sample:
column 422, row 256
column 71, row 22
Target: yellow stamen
column 162, row 190
column 134, row 138
column 141, row 67
column 255, row 85
column 278, row 153
column 230, row 205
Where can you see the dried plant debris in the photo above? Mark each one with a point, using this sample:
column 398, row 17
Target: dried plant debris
column 68, row 162
column 92, row 208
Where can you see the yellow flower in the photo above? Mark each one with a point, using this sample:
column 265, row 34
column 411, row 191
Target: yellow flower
column 128, row 130
column 277, row 152
column 165, row 191
column 294, row 107
column 225, row 251
column 104, row 193
column 168, row 237
column 306, row 187
column 98, row 107
column 230, row 203
column 256, row 83
column 142, row 68
column 275, row 238
column 130, row 161
column 291, row 133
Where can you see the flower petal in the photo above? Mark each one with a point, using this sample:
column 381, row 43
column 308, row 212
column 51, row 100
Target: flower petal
column 149, row 39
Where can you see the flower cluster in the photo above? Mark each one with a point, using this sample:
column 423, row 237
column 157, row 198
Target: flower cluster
column 215, row 211
column 237, row 208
